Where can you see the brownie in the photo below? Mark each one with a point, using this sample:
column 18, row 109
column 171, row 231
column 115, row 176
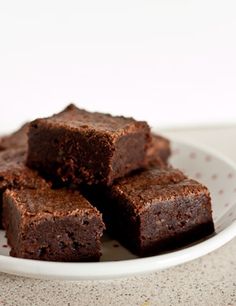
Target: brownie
column 14, row 173
column 78, row 146
column 53, row 225
column 159, row 147
column 18, row 139
column 155, row 210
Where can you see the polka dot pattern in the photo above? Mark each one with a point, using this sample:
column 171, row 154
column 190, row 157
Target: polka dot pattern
column 208, row 158
column 214, row 176
column 221, row 191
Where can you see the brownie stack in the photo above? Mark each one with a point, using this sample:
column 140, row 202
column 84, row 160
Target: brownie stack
column 82, row 172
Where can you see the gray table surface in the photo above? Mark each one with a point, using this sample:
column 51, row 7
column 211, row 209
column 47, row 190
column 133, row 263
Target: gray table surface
column 210, row 280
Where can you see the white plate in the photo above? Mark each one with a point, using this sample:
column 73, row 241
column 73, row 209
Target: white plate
column 216, row 171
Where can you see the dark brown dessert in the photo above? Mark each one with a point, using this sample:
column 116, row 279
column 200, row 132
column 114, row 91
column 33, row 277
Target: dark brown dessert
column 158, row 151
column 54, row 225
column 122, row 169
column 160, row 146
column 155, row 210
column 78, row 146
column 14, row 173
column 18, row 139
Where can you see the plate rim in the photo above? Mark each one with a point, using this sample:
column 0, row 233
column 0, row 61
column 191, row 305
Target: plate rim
column 123, row 268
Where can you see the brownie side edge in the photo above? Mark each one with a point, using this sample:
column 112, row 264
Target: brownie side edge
column 130, row 152
column 69, row 156
column 175, row 224
column 11, row 220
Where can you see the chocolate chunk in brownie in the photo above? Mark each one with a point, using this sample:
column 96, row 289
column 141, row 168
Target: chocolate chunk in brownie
column 78, row 146
column 159, row 148
column 14, row 173
column 155, row 210
column 53, row 225
column 18, row 139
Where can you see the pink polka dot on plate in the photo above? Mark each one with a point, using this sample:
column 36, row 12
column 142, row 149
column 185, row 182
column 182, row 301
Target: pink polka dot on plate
column 226, row 205
column 198, row 175
column 208, row 158
column 192, row 155
column 230, row 175
column 176, row 151
column 221, row 191
column 215, row 176
column 230, row 214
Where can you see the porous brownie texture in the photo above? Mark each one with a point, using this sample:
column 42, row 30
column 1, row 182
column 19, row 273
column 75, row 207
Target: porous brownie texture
column 52, row 225
column 77, row 146
column 14, row 173
column 159, row 147
column 155, row 210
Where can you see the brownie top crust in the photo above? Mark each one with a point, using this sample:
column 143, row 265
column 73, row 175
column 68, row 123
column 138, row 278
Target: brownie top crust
column 75, row 118
column 41, row 203
column 156, row 185
column 13, row 171
column 18, row 139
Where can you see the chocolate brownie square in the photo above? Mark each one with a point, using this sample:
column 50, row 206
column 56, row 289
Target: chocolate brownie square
column 77, row 146
column 158, row 151
column 18, row 139
column 155, row 210
column 53, row 225
column 160, row 147
column 14, row 173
